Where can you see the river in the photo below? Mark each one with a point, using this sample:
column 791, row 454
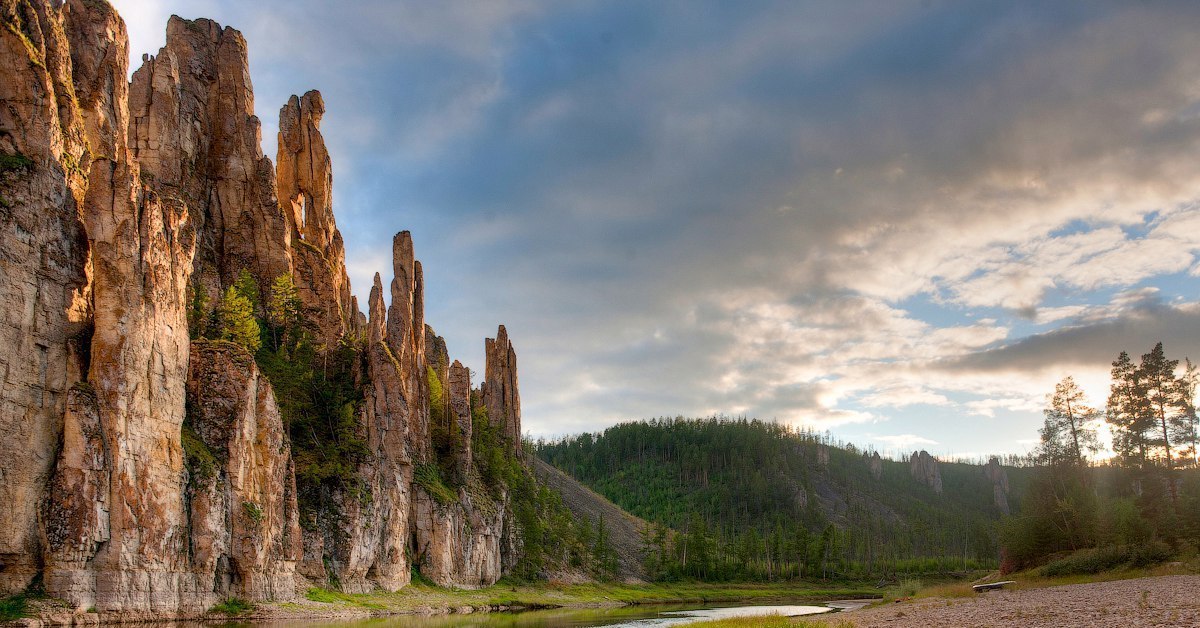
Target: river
column 623, row 617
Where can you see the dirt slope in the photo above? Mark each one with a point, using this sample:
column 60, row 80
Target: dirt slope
column 626, row 529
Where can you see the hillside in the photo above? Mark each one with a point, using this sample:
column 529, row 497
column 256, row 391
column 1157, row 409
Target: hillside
column 625, row 529
column 784, row 502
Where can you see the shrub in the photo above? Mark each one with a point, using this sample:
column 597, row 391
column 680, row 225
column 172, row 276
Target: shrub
column 233, row 606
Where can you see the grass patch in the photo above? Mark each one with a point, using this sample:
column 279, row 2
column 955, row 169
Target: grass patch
column 326, row 596
column 14, row 607
column 232, row 606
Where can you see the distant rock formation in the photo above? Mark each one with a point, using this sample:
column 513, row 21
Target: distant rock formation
column 924, row 469
column 143, row 468
column 999, row 479
column 499, row 389
column 822, row 454
column 874, row 464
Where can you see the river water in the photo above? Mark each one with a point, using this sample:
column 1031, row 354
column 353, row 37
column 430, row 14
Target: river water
column 623, row 617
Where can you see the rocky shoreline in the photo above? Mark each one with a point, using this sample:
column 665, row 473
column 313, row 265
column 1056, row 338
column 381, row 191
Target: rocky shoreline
column 1153, row 601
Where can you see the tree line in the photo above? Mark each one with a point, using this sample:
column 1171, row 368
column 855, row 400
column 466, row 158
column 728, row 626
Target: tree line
column 1140, row 506
column 741, row 499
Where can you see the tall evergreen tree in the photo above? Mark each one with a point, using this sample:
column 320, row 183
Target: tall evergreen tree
column 1169, row 404
column 1128, row 413
column 1069, row 435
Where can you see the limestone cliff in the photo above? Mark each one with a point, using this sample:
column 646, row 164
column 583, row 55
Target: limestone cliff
column 145, row 467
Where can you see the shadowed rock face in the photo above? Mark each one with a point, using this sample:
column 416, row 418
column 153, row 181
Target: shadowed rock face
column 924, row 469
column 999, row 479
column 141, row 470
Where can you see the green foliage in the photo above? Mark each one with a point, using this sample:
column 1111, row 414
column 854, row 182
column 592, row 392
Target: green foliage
column 1069, row 434
column 1096, row 560
column 247, row 287
column 742, row 498
column 232, row 606
column 202, row 465
column 235, row 316
column 429, row 477
column 284, row 310
column 253, row 511
column 320, row 400
column 14, row 162
column 14, row 607
column 198, row 313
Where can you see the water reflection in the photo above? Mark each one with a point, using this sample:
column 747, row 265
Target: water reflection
column 623, row 617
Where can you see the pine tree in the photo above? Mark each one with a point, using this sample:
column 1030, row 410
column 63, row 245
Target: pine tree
column 283, row 306
column 1069, row 433
column 1128, row 413
column 1169, row 403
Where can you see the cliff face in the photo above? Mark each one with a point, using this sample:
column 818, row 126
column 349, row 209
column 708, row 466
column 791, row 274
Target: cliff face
column 924, row 469
column 999, row 479
column 145, row 468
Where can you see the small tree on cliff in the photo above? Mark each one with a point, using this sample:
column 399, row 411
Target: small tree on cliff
column 283, row 308
column 236, row 317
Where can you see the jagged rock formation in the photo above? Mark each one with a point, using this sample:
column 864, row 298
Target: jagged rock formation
column 924, row 469
column 244, row 520
column 304, row 185
column 874, row 464
column 822, row 454
column 145, row 470
column 499, row 388
column 999, row 479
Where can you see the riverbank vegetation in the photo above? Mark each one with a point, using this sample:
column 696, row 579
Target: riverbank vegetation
column 1138, row 509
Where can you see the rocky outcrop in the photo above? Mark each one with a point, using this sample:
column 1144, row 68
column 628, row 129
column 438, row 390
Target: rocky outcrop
column 244, row 520
column 458, row 391
column 999, row 479
column 194, row 133
column 874, row 464
column 144, row 470
column 499, row 389
column 304, row 186
column 924, row 469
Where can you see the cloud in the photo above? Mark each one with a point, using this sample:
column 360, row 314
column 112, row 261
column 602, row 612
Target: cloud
column 835, row 214
column 904, row 441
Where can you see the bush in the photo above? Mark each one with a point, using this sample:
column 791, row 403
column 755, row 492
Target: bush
column 13, row 608
column 1096, row 560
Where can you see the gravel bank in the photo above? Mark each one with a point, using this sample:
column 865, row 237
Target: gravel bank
column 1159, row 601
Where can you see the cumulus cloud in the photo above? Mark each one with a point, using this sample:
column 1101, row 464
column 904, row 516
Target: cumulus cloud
column 836, row 214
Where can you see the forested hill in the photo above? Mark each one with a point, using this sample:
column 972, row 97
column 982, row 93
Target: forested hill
column 773, row 501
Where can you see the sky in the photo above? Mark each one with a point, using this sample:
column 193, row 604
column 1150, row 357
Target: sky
column 900, row 222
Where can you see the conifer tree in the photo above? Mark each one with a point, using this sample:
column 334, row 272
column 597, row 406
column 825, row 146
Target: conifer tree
column 236, row 317
column 1127, row 412
column 1069, row 435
